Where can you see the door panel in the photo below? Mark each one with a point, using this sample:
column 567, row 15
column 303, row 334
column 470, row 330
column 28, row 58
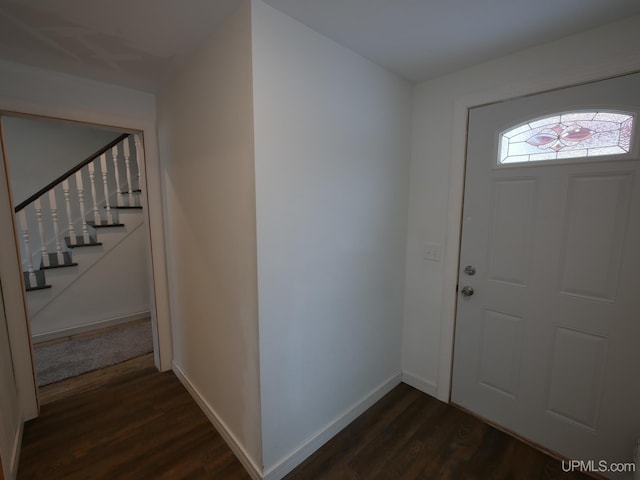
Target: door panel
column 576, row 376
column 595, row 224
column 500, row 355
column 512, row 222
column 548, row 344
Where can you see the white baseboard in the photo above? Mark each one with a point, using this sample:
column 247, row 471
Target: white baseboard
column 87, row 327
column 254, row 471
column 300, row 454
column 306, row 449
column 415, row 381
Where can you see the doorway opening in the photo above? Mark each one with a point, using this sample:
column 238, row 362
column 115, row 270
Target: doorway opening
column 79, row 195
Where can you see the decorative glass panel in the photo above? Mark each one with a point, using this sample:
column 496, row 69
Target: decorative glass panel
column 568, row 135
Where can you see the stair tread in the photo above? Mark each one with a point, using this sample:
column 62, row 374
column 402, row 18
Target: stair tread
column 54, row 260
column 40, row 287
column 105, row 225
column 39, row 279
column 78, row 245
column 50, row 267
column 126, row 207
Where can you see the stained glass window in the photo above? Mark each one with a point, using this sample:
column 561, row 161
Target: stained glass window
column 567, row 135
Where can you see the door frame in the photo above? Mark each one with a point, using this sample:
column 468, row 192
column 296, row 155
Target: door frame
column 19, row 333
column 457, row 162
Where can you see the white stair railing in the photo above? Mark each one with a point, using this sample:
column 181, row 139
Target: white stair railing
column 27, row 246
column 94, row 195
column 127, row 164
column 137, row 138
column 67, row 201
column 83, row 215
column 45, row 262
column 105, row 184
column 116, row 170
column 53, row 210
column 54, row 229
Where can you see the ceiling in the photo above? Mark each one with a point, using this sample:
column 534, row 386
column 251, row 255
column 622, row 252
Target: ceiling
column 140, row 43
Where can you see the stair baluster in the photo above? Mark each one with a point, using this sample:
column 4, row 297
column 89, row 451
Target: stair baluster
column 105, row 174
column 67, row 201
column 46, row 261
column 127, row 164
column 80, row 189
column 56, row 228
column 27, row 247
column 137, row 139
column 92, row 181
column 34, row 275
column 114, row 155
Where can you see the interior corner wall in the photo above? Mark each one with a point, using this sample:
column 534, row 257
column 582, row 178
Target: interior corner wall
column 429, row 212
column 331, row 145
column 205, row 126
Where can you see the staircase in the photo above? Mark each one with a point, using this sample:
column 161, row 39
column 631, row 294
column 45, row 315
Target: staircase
column 101, row 194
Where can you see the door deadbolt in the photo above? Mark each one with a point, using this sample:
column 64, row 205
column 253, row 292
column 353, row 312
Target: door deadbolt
column 470, row 270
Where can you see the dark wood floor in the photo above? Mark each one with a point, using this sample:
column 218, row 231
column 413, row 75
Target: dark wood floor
column 410, row 435
column 92, row 380
column 143, row 425
column 140, row 425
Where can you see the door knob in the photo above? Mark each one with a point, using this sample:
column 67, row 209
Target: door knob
column 466, row 291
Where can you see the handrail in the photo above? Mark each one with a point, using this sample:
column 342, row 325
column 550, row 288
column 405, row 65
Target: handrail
column 73, row 170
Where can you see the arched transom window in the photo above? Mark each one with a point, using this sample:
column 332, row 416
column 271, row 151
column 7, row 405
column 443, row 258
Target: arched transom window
column 575, row 134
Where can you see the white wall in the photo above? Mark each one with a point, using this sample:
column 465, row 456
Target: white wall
column 108, row 286
column 40, row 150
column 206, row 132
column 331, row 142
column 436, row 146
column 44, row 92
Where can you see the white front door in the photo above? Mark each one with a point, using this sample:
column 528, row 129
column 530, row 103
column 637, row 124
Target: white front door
column 548, row 344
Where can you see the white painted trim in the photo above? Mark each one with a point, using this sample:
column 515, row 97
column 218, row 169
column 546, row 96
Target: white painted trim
column 422, row 384
column 308, row 447
column 88, row 327
column 14, row 302
column 462, row 104
column 253, row 470
column 153, row 188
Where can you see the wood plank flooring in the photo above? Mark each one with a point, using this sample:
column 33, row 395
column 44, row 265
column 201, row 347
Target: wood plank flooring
column 139, row 425
column 410, row 435
column 92, row 380
column 142, row 424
